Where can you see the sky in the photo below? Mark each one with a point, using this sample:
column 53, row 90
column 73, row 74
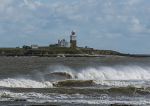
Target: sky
column 121, row 25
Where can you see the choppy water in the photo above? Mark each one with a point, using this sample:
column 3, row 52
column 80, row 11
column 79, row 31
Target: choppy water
column 77, row 81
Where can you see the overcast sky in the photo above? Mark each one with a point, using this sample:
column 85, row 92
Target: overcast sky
column 122, row 25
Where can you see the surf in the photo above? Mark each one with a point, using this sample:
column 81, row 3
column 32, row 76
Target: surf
column 103, row 75
column 24, row 83
column 129, row 72
column 115, row 73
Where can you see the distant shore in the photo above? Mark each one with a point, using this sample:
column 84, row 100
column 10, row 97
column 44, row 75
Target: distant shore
column 63, row 52
column 76, row 55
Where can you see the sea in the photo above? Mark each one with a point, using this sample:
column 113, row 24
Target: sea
column 75, row 81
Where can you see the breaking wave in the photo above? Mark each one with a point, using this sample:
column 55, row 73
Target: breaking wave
column 115, row 73
column 24, row 83
column 112, row 76
column 106, row 73
column 99, row 96
column 107, row 76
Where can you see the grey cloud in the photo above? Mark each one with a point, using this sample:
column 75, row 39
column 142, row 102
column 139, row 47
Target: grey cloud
column 102, row 19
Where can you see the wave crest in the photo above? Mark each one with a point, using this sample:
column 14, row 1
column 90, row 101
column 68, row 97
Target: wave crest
column 24, row 83
column 115, row 73
column 111, row 76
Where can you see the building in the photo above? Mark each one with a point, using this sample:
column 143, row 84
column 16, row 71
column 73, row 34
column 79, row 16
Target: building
column 73, row 40
column 65, row 43
column 62, row 43
column 34, row 46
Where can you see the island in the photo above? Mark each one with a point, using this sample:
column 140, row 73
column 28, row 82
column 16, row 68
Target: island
column 62, row 49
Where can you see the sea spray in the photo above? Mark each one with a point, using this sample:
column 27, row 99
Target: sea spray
column 115, row 73
column 128, row 72
column 112, row 76
column 24, row 83
column 107, row 76
column 61, row 69
column 30, row 96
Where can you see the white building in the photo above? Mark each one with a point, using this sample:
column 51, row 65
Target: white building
column 34, row 46
column 63, row 43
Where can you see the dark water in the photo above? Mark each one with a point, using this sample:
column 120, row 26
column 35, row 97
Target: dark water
column 77, row 81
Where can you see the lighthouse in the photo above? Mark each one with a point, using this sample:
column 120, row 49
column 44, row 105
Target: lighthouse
column 73, row 40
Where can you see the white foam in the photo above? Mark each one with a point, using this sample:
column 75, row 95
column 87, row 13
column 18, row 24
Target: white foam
column 111, row 76
column 76, row 98
column 24, row 83
column 116, row 83
column 115, row 73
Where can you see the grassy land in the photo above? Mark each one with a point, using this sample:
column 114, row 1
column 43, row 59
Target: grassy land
column 53, row 51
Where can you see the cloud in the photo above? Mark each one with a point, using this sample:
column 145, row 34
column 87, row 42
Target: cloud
column 4, row 4
column 134, row 2
column 32, row 4
column 139, row 28
column 46, row 20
